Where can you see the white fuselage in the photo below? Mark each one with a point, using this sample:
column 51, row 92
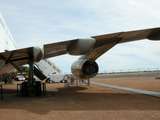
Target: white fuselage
column 6, row 39
column 6, row 43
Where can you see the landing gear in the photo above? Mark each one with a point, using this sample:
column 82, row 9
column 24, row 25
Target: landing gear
column 1, row 92
column 31, row 87
column 38, row 89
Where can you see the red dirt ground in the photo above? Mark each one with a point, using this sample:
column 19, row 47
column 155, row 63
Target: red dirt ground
column 83, row 103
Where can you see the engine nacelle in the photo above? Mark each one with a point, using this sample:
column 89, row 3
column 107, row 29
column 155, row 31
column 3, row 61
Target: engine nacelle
column 81, row 46
column 2, row 63
column 84, row 68
column 37, row 54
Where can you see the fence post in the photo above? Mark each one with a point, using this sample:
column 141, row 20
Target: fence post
column 1, row 91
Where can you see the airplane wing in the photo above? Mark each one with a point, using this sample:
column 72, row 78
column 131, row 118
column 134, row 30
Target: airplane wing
column 16, row 58
column 59, row 48
column 107, row 41
column 101, row 44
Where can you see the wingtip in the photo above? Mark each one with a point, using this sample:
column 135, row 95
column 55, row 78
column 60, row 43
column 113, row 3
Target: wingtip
column 154, row 34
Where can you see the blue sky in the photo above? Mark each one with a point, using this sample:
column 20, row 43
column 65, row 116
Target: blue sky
column 36, row 22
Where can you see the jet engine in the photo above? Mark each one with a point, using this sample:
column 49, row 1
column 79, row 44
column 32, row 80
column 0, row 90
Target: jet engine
column 84, row 68
column 37, row 54
column 2, row 63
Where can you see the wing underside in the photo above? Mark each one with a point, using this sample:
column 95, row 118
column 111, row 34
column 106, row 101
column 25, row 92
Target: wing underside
column 103, row 43
column 107, row 41
column 17, row 57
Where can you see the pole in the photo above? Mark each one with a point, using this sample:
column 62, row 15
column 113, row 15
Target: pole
column 1, row 91
column 31, row 67
column 31, row 73
column 31, row 81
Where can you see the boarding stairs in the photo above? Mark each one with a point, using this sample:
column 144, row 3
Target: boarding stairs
column 44, row 68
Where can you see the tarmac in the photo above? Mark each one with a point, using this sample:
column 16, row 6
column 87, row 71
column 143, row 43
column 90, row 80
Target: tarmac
column 139, row 91
column 88, row 103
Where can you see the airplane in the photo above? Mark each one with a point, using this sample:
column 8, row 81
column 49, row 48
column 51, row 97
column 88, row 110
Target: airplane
column 89, row 49
column 7, row 43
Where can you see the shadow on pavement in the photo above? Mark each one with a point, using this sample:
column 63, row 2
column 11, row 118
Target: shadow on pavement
column 73, row 99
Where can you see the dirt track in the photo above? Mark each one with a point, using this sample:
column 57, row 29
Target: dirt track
column 83, row 103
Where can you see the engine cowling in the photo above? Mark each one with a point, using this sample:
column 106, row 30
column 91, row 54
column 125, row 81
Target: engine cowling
column 84, row 68
column 37, row 54
column 2, row 63
column 81, row 46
